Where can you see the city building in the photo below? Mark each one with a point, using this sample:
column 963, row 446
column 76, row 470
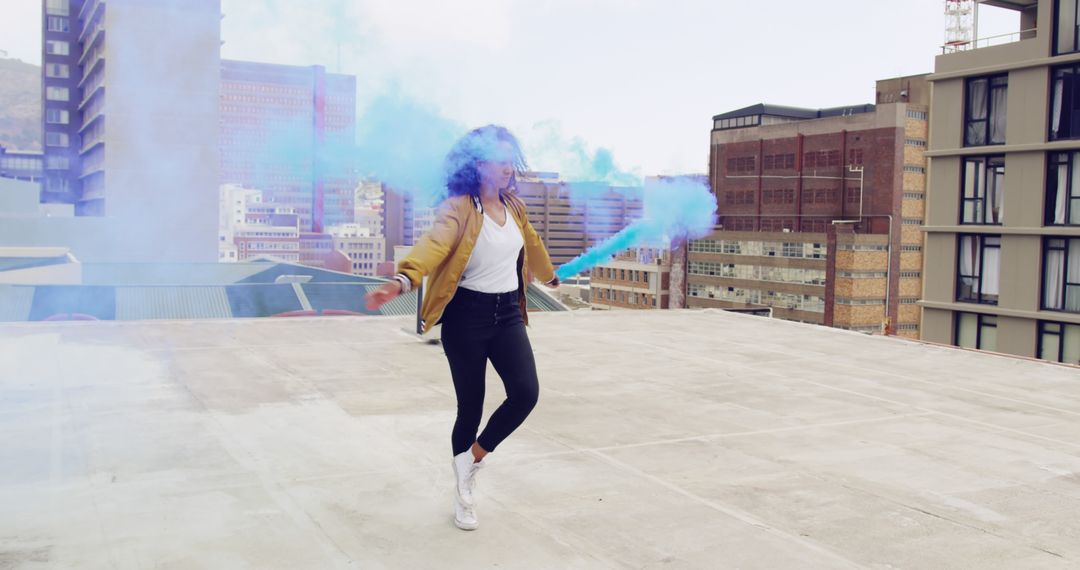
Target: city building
column 21, row 165
column 288, row 131
column 568, row 217
column 819, row 212
column 402, row 221
column 61, row 85
column 571, row 217
column 1003, row 232
column 367, row 211
column 639, row 278
column 136, row 143
column 365, row 250
column 318, row 250
column 249, row 227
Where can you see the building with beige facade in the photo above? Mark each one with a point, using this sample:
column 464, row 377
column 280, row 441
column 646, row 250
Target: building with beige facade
column 1003, row 215
column 639, row 278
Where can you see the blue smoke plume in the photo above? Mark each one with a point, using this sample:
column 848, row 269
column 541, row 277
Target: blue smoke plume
column 675, row 208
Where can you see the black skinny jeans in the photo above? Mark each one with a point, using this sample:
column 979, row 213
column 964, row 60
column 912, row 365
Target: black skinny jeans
column 478, row 327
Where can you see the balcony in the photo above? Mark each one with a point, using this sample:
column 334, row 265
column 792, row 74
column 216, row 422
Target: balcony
column 988, row 41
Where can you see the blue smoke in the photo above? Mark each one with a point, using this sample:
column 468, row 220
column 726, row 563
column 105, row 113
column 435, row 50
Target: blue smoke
column 403, row 144
column 675, row 209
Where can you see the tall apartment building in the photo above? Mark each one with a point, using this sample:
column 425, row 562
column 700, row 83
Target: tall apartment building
column 130, row 99
column 1003, row 225
column 288, row 131
column 61, row 78
column 819, row 212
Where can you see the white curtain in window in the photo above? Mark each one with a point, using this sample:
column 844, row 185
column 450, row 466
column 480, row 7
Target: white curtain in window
column 1055, row 115
column 991, row 269
column 1072, row 294
column 997, row 120
column 969, row 257
column 997, row 196
column 1062, row 197
column 1053, row 279
column 977, row 98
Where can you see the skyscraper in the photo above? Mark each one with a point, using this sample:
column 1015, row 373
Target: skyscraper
column 288, row 131
column 130, row 98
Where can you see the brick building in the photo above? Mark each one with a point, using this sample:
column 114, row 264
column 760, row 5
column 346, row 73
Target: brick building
column 819, row 212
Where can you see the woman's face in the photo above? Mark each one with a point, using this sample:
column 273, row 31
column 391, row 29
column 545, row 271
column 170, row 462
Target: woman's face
column 496, row 171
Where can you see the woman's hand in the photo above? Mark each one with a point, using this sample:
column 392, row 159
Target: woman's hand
column 554, row 283
column 382, row 295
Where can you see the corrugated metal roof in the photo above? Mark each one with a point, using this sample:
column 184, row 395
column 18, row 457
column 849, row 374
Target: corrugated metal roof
column 15, row 302
column 146, row 274
column 140, row 303
column 537, row 299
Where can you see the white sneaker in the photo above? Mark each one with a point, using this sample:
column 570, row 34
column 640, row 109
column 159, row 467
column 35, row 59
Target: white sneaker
column 464, row 515
column 465, row 469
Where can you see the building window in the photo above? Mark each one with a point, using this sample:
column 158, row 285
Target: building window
column 57, row 116
column 57, row 93
column 56, row 47
column 57, row 185
column 58, row 24
column 909, row 168
column 56, row 139
column 1066, row 13
column 57, row 162
column 1063, row 189
column 57, row 70
column 1059, row 342
column 918, row 115
column 985, row 110
column 58, row 7
column 978, row 269
column 984, row 190
column 1065, row 103
column 976, row 331
column 1061, row 275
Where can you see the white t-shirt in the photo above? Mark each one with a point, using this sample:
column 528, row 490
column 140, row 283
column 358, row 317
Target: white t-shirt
column 492, row 268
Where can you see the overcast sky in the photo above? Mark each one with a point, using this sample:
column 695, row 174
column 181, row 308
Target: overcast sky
column 640, row 77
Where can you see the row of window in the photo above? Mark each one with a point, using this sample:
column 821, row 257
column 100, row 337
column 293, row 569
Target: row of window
column 983, row 190
column 986, row 102
column 811, row 159
column 793, row 301
column 758, row 272
column 1058, row 342
column 612, row 274
column 760, row 248
column 978, row 272
column 625, row 297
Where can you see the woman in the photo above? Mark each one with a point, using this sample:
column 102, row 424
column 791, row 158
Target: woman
column 478, row 258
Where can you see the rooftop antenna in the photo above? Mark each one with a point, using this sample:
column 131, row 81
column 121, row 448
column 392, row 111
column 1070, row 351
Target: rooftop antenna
column 961, row 21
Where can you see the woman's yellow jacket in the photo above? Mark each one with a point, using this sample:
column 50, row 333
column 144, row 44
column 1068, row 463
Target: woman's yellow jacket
column 443, row 253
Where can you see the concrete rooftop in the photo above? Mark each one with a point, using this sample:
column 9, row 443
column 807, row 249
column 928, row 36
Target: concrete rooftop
column 662, row 439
